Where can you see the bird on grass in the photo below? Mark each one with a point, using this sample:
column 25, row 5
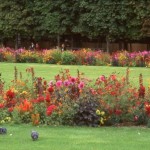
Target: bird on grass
column 3, row 130
column 34, row 135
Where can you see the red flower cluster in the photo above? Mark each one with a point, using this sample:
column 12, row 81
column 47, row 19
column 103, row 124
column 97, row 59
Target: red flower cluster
column 147, row 108
column 118, row 112
column 1, row 105
column 10, row 109
column 10, row 94
column 141, row 91
column 50, row 89
column 50, row 109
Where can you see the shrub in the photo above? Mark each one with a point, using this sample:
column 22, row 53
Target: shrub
column 29, row 57
column 68, row 58
column 86, row 114
column 56, row 57
column 72, row 100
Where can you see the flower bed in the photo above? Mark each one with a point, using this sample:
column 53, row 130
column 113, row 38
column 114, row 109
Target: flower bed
column 80, row 57
column 72, row 100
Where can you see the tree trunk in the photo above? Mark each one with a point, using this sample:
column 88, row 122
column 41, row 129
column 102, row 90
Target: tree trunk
column 58, row 41
column 125, row 45
column 107, row 43
column 121, row 45
column 130, row 47
column 71, row 42
column 18, row 41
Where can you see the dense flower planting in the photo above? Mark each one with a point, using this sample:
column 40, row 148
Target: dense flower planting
column 69, row 100
column 79, row 57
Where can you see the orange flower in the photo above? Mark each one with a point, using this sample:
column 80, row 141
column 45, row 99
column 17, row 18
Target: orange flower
column 147, row 108
column 35, row 118
column 25, row 106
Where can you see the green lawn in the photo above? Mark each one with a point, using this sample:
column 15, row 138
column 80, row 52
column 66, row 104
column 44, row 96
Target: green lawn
column 92, row 72
column 75, row 138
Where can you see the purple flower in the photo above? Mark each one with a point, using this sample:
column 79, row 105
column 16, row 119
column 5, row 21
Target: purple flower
column 67, row 82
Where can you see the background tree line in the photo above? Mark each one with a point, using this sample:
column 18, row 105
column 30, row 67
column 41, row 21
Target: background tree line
column 111, row 20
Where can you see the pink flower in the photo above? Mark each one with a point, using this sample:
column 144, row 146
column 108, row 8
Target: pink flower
column 136, row 118
column 50, row 83
column 58, row 83
column 81, row 85
column 73, row 79
column 67, row 83
column 102, row 78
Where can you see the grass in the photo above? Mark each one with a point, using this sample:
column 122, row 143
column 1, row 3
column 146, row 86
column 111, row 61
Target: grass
column 92, row 72
column 75, row 138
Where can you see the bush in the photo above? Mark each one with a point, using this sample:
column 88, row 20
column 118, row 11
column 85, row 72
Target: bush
column 56, row 57
column 29, row 57
column 68, row 58
column 86, row 114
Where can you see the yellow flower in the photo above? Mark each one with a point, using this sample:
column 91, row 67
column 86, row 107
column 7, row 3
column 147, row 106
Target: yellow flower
column 2, row 121
column 24, row 92
column 98, row 112
column 102, row 113
column 15, row 91
column 8, row 119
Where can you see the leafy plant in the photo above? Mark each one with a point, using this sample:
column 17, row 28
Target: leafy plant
column 56, row 57
column 86, row 114
column 68, row 58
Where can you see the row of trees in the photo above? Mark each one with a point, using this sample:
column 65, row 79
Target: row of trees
column 110, row 19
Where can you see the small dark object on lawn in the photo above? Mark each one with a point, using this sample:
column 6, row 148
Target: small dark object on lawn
column 3, row 130
column 34, row 135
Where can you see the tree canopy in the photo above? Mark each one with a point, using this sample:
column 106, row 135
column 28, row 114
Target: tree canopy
column 111, row 19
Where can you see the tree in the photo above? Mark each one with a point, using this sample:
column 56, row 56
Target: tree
column 15, row 20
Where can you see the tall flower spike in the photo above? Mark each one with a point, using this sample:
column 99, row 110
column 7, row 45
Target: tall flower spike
column 15, row 74
column 140, row 79
column 127, row 75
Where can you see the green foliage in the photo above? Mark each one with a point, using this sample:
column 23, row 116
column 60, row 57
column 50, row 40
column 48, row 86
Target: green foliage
column 29, row 57
column 40, row 19
column 68, row 58
column 4, row 116
column 56, row 57
column 16, row 117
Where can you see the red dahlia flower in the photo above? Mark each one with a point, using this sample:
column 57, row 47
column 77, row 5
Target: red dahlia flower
column 50, row 109
column 10, row 94
column 50, row 89
column 118, row 112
